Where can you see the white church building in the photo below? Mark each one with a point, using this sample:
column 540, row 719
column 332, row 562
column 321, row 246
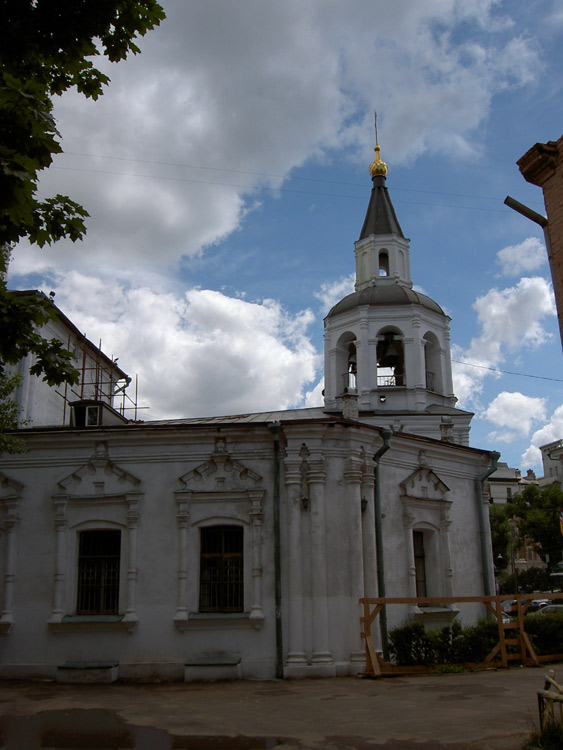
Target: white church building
column 240, row 546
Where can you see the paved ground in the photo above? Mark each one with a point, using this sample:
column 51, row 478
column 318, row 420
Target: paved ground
column 478, row 711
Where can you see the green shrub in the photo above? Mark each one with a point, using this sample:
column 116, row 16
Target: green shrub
column 411, row 644
column 546, row 633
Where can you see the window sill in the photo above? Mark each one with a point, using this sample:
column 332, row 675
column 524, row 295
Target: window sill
column 218, row 621
column 88, row 623
column 434, row 615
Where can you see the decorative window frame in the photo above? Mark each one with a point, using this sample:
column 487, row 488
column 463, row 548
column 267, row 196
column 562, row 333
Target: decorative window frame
column 99, row 495
column 73, row 563
column 227, row 495
column 10, row 499
column 426, row 508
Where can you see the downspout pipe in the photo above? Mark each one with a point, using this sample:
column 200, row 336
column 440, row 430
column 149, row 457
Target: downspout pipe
column 483, row 535
column 386, row 436
column 275, row 429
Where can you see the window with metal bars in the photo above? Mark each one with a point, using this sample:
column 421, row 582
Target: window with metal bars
column 221, row 569
column 419, row 563
column 99, row 555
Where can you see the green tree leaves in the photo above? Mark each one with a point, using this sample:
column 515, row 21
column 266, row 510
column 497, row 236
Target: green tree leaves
column 46, row 48
column 9, row 413
column 537, row 510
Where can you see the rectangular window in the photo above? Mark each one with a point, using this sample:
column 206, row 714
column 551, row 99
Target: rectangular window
column 419, row 563
column 98, row 572
column 86, row 416
column 92, row 416
column 221, row 569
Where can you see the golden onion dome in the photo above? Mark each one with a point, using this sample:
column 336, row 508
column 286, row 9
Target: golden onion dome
column 377, row 167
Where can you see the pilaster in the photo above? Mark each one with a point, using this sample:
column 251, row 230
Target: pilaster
column 317, row 483
column 10, row 523
column 295, row 495
column 182, row 520
column 353, row 475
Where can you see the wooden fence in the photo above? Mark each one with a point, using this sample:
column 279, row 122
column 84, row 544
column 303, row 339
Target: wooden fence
column 376, row 666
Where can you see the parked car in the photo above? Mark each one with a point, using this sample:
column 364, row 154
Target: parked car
column 540, row 603
column 549, row 609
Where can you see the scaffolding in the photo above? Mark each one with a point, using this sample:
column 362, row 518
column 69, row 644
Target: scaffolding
column 101, row 379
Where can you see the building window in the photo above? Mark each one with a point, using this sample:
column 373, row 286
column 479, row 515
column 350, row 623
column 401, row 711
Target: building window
column 419, row 563
column 98, row 572
column 221, row 569
column 508, row 494
column 390, row 361
column 383, row 263
column 86, row 416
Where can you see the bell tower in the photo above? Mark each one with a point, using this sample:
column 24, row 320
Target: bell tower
column 387, row 347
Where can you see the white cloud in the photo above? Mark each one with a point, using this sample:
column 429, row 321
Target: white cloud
column 331, row 293
column 199, row 354
column 515, row 411
column 510, row 319
column 527, row 256
column 227, row 98
column 315, row 397
column 551, row 431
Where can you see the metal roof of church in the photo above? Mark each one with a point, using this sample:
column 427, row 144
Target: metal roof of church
column 380, row 216
column 387, row 294
column 285, row 415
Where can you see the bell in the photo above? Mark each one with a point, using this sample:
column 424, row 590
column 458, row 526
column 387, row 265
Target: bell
column 391, row 355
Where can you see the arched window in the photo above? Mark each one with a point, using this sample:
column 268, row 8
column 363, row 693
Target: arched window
column 99, row 553
column 347, row 363
column 221, row 569
column 433, row 364
column 419, row 562
column 383, row 263
column 352, row 367
column 390, row 360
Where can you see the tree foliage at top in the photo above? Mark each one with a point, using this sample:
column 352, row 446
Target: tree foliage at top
column 9, row 415
column 46, row 48
column 537, row 510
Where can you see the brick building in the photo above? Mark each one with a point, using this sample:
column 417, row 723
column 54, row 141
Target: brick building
column 542, row 165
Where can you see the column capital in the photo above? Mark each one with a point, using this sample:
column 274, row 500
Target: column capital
column 353, row 469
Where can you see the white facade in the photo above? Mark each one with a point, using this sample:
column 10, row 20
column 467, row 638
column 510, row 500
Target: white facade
column 240, row 546
column 159, row 485
column 100, row 379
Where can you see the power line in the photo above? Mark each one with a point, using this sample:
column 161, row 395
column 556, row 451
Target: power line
column 271, row 174
column 507, row 372
column 263, row 187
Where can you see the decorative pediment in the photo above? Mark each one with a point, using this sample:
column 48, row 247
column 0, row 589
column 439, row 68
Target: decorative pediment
column 9, row 488
column 99, row 476
column 424, row 484
column 220, row 472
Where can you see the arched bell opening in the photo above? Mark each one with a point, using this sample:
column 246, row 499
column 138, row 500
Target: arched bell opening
column 432, row 363
column 383, row 263
column 390, row 359
column 347, row 363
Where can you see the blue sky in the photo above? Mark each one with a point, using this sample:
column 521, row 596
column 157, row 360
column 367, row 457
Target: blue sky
column 226, row 174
